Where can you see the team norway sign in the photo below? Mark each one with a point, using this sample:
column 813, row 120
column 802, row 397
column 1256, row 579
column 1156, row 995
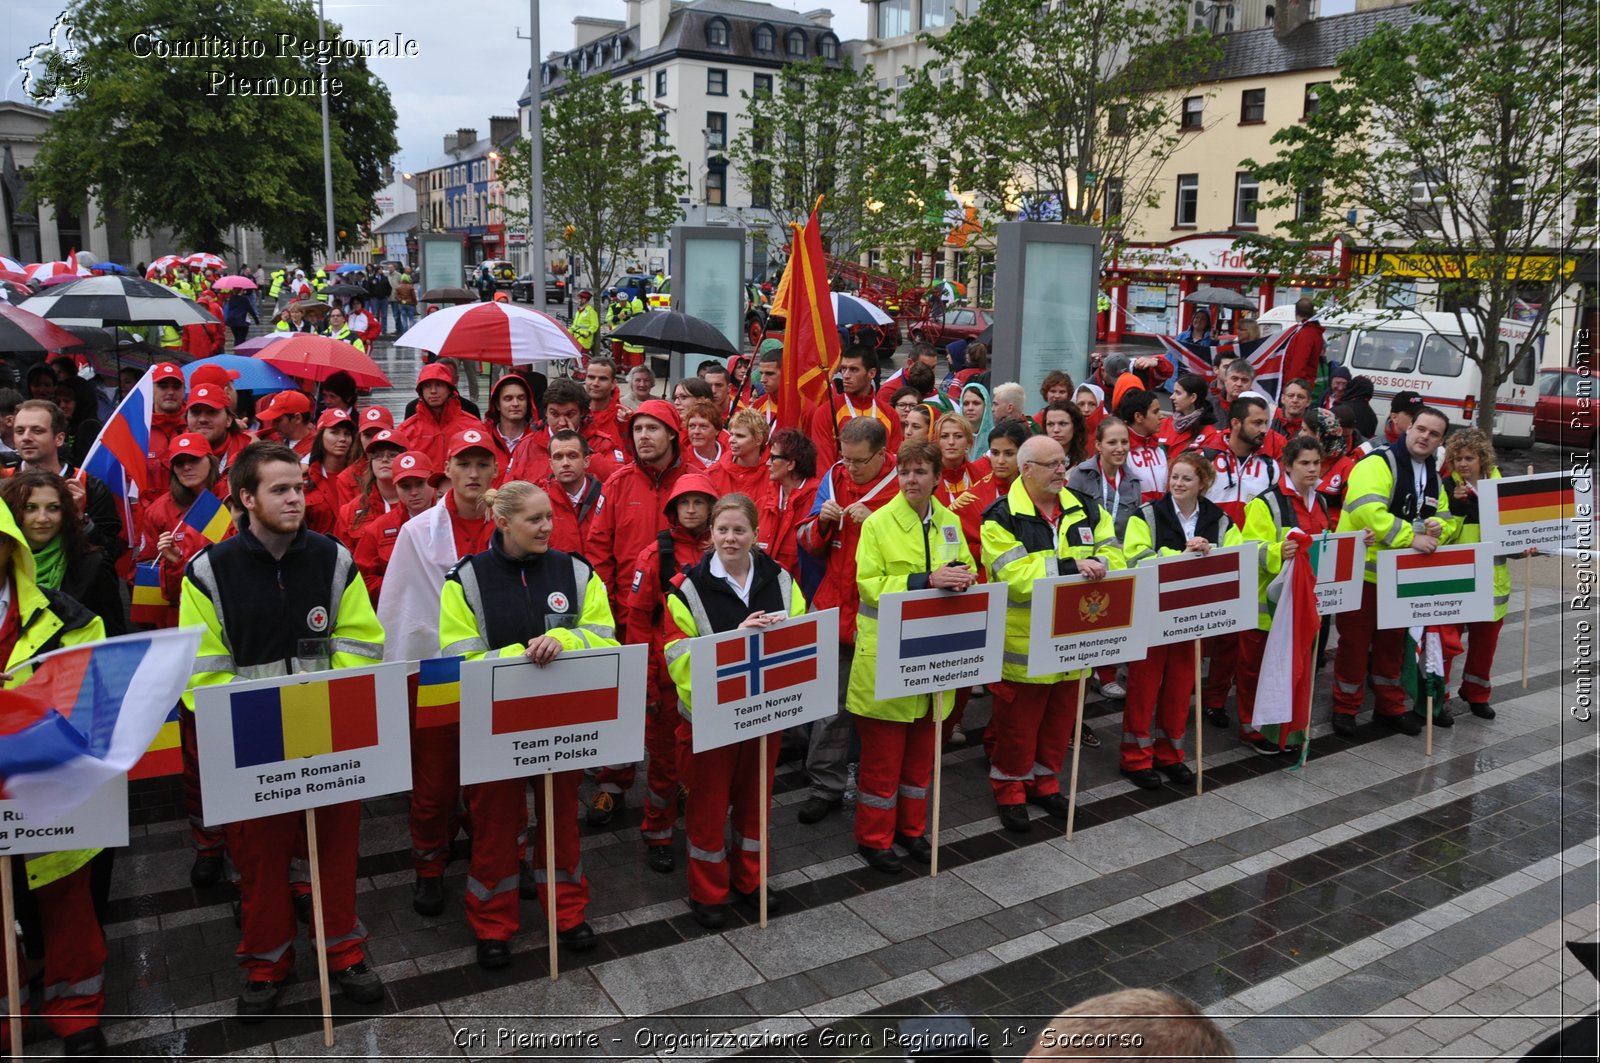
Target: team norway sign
column 940, row 640
column 584, row 709
column 749, row 682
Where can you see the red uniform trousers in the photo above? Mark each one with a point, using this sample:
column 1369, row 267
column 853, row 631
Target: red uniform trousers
column 501, row 814
column 261, row 850
column 1358, row 637
column 572, row 887
column 1481, row 639
column 1223, row 653
column 718, row 779
column 667, row 742
column 1252, row 648
column 1033, row 722
column 207, row 840
column 435, row 792
column 893, row 779
column 1155, row 716
column 74, row 956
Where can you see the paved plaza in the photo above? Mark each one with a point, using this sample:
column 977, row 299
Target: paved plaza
column 1375, row 903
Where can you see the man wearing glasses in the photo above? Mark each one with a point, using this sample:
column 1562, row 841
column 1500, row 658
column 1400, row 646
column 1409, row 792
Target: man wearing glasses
column 1038, row 530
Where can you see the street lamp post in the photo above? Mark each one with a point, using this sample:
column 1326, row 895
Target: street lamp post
column 327, row 147
column 535, row 154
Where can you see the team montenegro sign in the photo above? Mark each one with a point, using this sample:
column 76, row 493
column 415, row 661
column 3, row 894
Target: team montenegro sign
column 1078, row 623
column 940, row 640
column 752, row 681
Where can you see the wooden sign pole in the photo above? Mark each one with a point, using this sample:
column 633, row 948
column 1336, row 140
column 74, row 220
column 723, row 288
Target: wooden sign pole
column 938, row 757
column 1527, row 606
column 321, row 931
column 550, row 870
column 1077, row 748
column 761, row 776
column 8, row 913
column 1199, row 727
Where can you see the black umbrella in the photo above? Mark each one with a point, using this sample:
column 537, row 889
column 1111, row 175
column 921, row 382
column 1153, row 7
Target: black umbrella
column 447, row 295
column 672, row 330
column 115, row 300
column 347, row 291
column 1223, row 297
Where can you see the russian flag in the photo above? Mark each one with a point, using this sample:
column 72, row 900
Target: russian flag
column 950, row 623
column 87, row 714
column 120, row 452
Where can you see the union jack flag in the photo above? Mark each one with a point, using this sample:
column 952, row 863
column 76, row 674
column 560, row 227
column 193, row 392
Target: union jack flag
column 766, row 661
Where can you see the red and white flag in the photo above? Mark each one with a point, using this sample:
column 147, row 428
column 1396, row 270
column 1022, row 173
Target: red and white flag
column 1283, row 710
column 1188, row 583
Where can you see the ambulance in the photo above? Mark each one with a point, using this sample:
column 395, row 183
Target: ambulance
column 1407, row 350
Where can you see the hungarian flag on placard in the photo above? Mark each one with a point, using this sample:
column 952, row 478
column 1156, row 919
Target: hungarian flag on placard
column 810, row 333
column 1537, row 500
column 1089, row 607
column 1444, row 572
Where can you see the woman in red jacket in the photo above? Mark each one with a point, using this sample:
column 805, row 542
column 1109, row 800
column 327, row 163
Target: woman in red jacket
column 741, row 468
column 334, row 449
column 788, row 496
column 375, row 492
column 415, row 487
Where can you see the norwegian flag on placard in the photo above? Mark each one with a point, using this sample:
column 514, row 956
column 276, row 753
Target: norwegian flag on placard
column 767, row 661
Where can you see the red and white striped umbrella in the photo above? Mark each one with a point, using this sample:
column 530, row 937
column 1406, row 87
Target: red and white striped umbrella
column 206, row 260
column 41, row 272
column 161, row 266
column 11, row 265
column 492, row 332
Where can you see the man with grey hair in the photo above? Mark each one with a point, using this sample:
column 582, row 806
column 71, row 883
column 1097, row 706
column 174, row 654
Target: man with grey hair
column 1008, row 402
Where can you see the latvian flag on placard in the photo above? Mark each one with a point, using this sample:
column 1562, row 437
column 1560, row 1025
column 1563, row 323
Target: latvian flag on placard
column 1333, row 560
column 1444, row 573
column 1533, row 501
column 766, row 661
column 565, row 693
column 1090, row 607
column 949, row 623
column 1193, row 582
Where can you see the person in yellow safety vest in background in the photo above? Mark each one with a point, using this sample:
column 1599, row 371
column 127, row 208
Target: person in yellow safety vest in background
column 585, row 323
column 279, row 277
column 320, row 283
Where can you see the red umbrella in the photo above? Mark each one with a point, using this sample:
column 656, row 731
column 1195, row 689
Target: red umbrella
column 313, row 357
column 23, row 330
column 492, row 332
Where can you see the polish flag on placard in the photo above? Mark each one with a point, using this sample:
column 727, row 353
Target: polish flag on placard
column 564, row 693
column 1187, row 583
column 949, row 623
column 762, row 662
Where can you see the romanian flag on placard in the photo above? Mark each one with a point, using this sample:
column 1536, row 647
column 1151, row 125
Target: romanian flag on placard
column 1092, row 607
column 810, row 333
column 150, row 605
column 438, row 691
column 1537, row 499
column 208, row 516
column 304, row 720
column 165, row 755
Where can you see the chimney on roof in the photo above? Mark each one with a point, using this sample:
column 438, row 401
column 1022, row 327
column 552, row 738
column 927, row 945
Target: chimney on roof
column 821, row 16
column 450, row 142
column 653, row 18
column 465, row 138
column 632, row 16
column 503, row 128
column 1290, row 15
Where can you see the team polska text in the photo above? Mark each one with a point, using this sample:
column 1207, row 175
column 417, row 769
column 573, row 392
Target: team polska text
column 146, row 45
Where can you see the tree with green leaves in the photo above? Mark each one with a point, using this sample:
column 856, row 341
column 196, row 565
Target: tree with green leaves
column 829, row 130
column 158, row 139
column 611, row 182
column 1456, row 145
column 1059, row 111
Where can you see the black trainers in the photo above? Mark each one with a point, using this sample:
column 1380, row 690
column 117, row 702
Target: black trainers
column 258, row 1000
column 660, row 858
column 427, row 895
column 360, row 983
column 207, row 871
column 1179, row 773
column 1344, row 723
column 814, row 809
column 1261, row 745
column 710, row 916
column 602, row 809
column 752, row 900
column 1444, row 719
column 919, row 848
column 1481, row 709
column 1144, row 778
column 1404, row 722
column 1015, row 818
column 492, row 955
column 883, row 860
column 1053, row 804
column 1218, row 718
column 580, row 938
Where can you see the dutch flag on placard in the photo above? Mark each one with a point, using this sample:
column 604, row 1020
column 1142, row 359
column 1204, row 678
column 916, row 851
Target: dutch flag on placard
column 950, row 623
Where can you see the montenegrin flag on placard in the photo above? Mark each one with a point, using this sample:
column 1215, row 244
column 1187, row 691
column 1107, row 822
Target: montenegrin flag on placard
column 87, row 714
column 1092, row 606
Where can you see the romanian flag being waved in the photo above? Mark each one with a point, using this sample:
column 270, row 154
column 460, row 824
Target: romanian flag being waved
column 165, row 755
column 1283, row 693
column 1444, row 573
column 1537, row 499
column 122, row 449
column 810, row 333
column 208, row 516
column 564, row 693
column 304, row 720
column 150, row 604
column 87, row 715
column 1091, row 607
column 439, row 691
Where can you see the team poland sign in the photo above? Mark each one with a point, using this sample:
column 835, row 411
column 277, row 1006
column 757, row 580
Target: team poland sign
column 940, row 640
column 752, row 681
column 585, row 709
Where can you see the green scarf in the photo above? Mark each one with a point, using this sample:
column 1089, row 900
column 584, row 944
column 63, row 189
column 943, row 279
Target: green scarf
column 50, row 564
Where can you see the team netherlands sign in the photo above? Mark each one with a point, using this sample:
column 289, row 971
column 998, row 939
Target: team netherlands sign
column 752, row 681
column 1451, row 585
column 302, row 741
column 584, row 709
column 939, row 640
column 1080, row 623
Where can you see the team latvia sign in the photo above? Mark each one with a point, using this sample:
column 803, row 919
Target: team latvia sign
column 752, row 681
column 1452, row 585
column 940, row 640
column 584, row 709
column 1078, row 623
column 302, row 741
column 1200, row 595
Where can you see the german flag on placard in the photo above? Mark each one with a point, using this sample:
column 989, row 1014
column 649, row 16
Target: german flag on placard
column 1092, row 607
column 1537, row 499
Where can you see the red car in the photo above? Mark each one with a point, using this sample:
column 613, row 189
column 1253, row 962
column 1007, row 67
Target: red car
column 960, row 323
column 1565, row 412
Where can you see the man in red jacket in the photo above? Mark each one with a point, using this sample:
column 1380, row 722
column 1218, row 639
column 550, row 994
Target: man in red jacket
column 575, row 496
column 860, row 484
column 1304, row 354
column 209, row 413
column 603, row 403
column 166, row 423
column 565, row 410
column 438, row 416
column 857, row 365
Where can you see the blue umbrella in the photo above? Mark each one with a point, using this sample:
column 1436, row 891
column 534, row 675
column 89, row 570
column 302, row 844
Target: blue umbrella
column 109, row 267
column 254, row 376
column 350, row 267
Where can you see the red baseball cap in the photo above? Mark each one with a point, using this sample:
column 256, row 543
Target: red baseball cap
column 282, row 404
column 470, row 439
column 333, row 417
column 213, row 374
column 375, row 417
column 191, row 443
column 208, row 395
column 387, row 437
column 166, row 371
column 414, row 464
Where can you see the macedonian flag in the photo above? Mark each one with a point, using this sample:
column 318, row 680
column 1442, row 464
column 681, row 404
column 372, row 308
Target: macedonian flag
column 810, row 333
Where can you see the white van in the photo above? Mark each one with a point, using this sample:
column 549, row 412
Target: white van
column 1424, row 352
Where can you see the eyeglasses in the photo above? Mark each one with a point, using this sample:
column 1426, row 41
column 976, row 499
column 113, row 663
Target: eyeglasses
column 774, row 456
column 854, row 462
column 1047, row 464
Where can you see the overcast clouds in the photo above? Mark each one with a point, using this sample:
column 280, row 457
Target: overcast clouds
column 472, row 64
